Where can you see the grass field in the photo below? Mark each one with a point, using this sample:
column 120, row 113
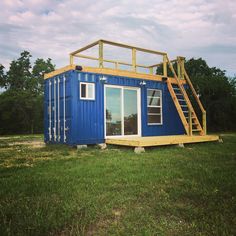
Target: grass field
column 57, row 190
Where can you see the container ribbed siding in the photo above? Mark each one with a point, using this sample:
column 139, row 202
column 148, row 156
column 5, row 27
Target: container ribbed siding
column 85, row 118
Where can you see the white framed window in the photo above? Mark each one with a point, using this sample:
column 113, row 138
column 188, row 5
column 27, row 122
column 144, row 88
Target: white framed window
column 154, row 107
column 87, row 91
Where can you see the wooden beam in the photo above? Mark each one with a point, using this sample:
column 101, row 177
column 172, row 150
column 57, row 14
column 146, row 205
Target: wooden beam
column 86, row 57
column 109, row 71
column 165, row 65
column 85, row 48
column 134, row 59
column 71, row 60
column 59, row 71
column 204, row 123
column 100, row 54
column 131, row 47
column 160, row 140
column 194, row 91
column 190, row 125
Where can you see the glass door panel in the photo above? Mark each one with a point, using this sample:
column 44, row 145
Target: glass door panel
column 130, row 112
column 113, row 111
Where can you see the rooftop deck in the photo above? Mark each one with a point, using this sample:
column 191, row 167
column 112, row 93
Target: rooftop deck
column 160, row 140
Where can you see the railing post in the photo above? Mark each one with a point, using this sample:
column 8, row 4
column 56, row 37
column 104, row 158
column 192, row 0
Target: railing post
column 179, row 67
column 151, row 70
column 182, row 67
column 117, row 65
column 71, row 59
column 134, row 59
column 190, row 122
column 165, row 65
column 204, row 124
column 100, row 57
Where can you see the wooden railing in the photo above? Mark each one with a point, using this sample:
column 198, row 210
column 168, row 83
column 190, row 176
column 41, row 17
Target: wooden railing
column 133, row 64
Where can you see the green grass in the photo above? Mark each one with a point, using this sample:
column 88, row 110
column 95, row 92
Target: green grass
column 57, row 190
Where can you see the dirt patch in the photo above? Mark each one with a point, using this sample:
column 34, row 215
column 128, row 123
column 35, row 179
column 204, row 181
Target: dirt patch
column 33, row 143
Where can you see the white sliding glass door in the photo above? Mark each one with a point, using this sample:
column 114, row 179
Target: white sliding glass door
column 122, row 111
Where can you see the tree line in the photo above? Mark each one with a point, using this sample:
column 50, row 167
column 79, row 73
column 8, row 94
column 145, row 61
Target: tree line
column 21, row 102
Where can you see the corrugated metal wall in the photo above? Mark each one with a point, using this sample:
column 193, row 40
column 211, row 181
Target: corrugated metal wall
column 85, row 118
column 57, row 109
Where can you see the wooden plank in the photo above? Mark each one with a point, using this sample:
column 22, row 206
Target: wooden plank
column 165, row 65
column 194, row 91
column 85, row 48
column 160, row 140
column 100, row 54
column 134, row 59
column 59, row 71
column 131, row 47
column 130, row 74
column 108, row 71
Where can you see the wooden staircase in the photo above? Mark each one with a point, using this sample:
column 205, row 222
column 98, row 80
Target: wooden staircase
column 182, row 102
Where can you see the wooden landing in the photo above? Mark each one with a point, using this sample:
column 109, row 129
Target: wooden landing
column 160, row 140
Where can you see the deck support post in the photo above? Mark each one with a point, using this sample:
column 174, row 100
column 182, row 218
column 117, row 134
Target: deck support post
column 139, row 150
column 204, row 122
column 100, row 57
column 190, row 123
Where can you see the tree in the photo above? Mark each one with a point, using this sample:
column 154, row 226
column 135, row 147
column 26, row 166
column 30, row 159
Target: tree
column 18, row 77
column 2, row 77
column 39, row 69
column 217, row 93
column 21, row 105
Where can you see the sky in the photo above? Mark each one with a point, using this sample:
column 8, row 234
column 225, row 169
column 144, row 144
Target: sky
column 54, row 28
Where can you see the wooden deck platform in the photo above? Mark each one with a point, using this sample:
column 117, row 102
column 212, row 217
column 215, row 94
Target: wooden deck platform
column 160, row 140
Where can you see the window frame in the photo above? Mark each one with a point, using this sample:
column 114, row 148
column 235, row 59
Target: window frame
column 155, row 106
column 86, row 89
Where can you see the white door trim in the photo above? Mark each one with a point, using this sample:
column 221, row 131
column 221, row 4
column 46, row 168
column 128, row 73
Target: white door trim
column 122, row 110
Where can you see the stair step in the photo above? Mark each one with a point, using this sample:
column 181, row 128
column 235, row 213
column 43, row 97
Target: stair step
column 184, row 105
column 196, row 130
column 181, row 100
column 179, row 94
column 194, row 123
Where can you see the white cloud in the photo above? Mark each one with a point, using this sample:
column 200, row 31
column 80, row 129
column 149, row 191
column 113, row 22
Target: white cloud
column 53, row 28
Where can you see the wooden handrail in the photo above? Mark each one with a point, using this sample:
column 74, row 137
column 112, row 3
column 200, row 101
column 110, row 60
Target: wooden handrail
column 190, row 107
column 193, row 91
column 100, row 43
column 110, row 61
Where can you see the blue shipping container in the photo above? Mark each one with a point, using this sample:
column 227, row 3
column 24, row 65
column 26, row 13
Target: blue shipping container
column 76, row 108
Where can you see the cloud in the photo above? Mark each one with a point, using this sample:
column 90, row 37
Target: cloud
column 53, row 28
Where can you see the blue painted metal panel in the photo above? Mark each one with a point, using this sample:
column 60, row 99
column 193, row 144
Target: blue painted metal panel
column 58, row 115
column 85, row 118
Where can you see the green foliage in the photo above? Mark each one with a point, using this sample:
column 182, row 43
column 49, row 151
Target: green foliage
column 57, row 190
column 217, row 93
column 21, row 105
column 39, row 69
